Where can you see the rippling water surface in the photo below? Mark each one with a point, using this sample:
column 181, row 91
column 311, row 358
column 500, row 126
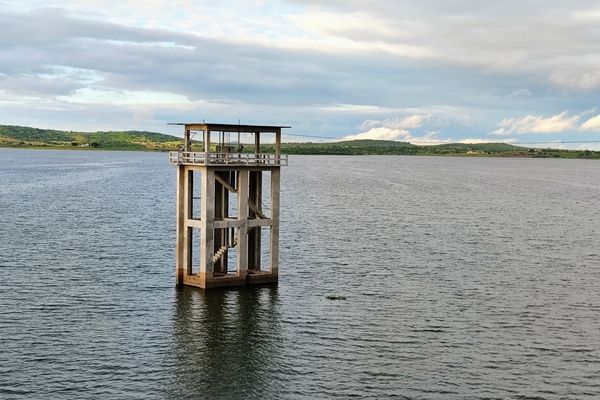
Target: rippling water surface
column 464, row 278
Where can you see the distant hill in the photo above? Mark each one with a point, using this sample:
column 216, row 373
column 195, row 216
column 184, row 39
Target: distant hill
column 354, row 147
column 387, row 147
column 20, row 136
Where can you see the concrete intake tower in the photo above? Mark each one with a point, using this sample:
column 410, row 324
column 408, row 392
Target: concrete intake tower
column 227, row 206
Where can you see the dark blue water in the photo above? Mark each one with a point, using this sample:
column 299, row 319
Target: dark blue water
column 465, row 278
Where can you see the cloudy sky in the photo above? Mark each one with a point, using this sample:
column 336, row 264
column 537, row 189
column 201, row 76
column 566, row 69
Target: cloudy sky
column 427, row 71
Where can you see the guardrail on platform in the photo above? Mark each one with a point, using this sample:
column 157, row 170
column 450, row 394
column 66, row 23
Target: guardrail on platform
column 199, row 158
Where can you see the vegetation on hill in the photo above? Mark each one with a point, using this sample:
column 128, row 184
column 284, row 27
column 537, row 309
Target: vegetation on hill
column 19, row 136
column 351, row 147
column 386, row 147
column 383, row 147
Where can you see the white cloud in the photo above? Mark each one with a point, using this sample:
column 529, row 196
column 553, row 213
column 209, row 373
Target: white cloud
column 587, row 15
column 323, row 66
column 433, row 139
column 354, row 108
column 403, row 128
column 552, row 40
column 381, row 133
column 548, row 40
column 358, row 24
column 356, row 31
column 565, row 146
column 486, row 140
column 429, row 139
column 397, row 129
column 121, row 97
column 537, row 124
column 592, row 124
column 409, row 122
column 589, row 146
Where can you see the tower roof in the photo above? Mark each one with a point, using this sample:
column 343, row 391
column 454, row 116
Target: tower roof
column 216, row 127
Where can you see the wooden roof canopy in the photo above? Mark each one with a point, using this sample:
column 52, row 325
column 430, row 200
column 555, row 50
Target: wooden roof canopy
column 215, row 127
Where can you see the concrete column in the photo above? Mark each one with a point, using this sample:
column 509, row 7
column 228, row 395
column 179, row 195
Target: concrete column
column 207, row 212
column 278, row 145
column 275, row 198
column 181, row 228
column 242, row 212
column 186, row 140
column 189, row 194
column 256, row 143
column 206, row 144
column 254, row 234
column 187, row 212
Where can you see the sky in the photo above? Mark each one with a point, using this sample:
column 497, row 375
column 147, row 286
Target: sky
column 427, row 72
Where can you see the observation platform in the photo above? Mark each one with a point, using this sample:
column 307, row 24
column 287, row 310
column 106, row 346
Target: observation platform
column 233, row 159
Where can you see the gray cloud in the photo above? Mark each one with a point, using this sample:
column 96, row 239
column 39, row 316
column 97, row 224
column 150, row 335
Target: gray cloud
column 555, row 39
column 481, row 55
column 199, row 68
column 135, row 58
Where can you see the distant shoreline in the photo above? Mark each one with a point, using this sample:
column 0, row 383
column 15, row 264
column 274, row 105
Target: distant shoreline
column 559, row 154
column 19, row 137
column 91, row 149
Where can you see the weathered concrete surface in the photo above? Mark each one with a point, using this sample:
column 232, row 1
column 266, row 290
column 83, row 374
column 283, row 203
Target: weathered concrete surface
column 245, row 184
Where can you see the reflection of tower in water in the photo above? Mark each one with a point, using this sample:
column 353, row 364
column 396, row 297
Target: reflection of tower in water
column 226, row 343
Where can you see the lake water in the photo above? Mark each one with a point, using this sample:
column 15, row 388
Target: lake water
column 465, row 278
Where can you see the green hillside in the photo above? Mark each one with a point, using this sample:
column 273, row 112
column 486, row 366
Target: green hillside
column 20, row 136
column 349, row 147
column 383, row 147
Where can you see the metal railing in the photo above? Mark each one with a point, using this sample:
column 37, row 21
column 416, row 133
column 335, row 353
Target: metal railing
column 200, row 158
